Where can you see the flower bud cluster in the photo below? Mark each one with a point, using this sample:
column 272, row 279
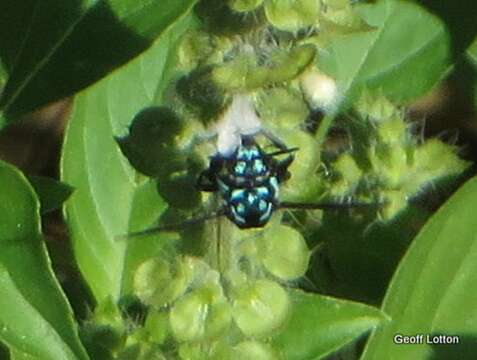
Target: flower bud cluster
column 228, row 309
column 394, row 166
column 246, row 46
column 225, row 299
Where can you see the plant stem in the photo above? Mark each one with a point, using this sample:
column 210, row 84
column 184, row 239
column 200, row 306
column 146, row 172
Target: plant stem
column 324, row 127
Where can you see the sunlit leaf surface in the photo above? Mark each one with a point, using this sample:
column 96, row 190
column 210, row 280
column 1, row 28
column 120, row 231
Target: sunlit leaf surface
column 35, row 317
column 404, row 54
column 319, row 325
column 434, row 289
column 110, row 199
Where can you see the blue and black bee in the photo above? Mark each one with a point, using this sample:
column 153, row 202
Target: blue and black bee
column 248, row 182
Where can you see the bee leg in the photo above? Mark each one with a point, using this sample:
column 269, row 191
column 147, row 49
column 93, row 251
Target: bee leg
column 282, row 168
column 275, row 140
column 207, row 180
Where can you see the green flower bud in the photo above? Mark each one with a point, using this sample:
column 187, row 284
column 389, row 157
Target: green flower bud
column 108, row 313
column 288, row 65
column 195, row 351
column 132, row 352
column 194, row 46
column 187, row 318
column 106, row 327
column 391, row 165
column 141, row 351
column 236, row 277
column 150, row 146
column 221, row 350
column 393, row 132
column 234, row 75
column 157, row 326
column 260, row 307
column 292, row 15
column 254, row 350
column 244, row 5
column 350, row 175
column 155, row 284
column 282, row 107
column 304, row 184
column 336, row 4
column 219, row 319
column 198, row 48
column 403, row 168
column 153, row 353
column 158, row 282
column 340, row 17
column 242, row 74
column 153, row 147
column 435, row 159
column 101, row 340
column 396, row 201
column 376, row 108
column 203, row 313
column 199, row 90
column 220, row 19
column 284, row 252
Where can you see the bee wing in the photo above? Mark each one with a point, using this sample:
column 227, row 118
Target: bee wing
column 327, row 205
column 173, row 227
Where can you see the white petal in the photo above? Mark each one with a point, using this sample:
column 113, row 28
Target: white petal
column 239, row 119
column 228, row 142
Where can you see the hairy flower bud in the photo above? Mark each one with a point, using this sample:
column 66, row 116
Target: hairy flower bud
column 284, row 252
column 260, row 307
column 244, row 5
column 292, row 15
column 201, row 314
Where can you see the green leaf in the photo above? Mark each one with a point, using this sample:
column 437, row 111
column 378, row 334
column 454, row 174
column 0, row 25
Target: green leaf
column 434, row 289
column 54, row 48
column 51, row 193
column 35, row 317
column 472, row 52
column 358, row 260
column 18, row 355
column 319, row 325
column 460, row 20
column 472, row 56
column 111, row 199
column 404, row 57
column 3, row 77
